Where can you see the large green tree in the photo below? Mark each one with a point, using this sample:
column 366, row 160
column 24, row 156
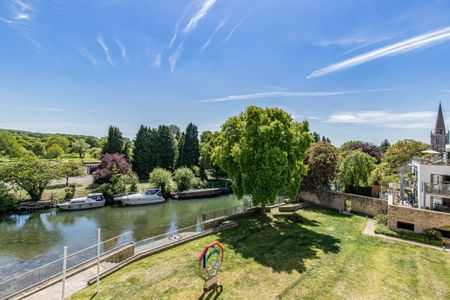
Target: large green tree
column 72, row 168
column 263, row 152
column 402, row 153
column 189, row 147
column 31, row 174
column 354, row 170
column 115, row 142
column 144, row 155
column 208, row 141
column 165, row 148
column 322, row 160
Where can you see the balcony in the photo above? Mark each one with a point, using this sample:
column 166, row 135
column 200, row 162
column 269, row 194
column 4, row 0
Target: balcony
column 441, row 189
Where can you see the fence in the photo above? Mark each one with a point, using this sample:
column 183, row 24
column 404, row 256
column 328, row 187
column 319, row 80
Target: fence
column 54, row 269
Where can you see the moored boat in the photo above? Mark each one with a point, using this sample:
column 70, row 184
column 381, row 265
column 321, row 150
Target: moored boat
column 94, row 200
column 150, row 196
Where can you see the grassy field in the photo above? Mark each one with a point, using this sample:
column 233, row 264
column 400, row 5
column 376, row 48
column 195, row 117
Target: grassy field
column 323, row 257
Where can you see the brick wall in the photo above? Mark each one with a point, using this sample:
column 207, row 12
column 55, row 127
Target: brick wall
column 360, row 204
column 422, row 219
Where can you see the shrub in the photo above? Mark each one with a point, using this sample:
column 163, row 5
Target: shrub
column 69, row 192
column 433, row 234
column 381, row 219
column 413, row 236
column 162, row 178
column 7, row 200
column 110, row 161
column 184, row 178
column 54, row 151
column 119, row 184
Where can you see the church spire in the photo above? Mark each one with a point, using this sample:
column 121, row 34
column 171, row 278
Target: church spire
column 440, row 124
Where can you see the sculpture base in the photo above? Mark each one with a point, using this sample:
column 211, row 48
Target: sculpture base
column 210, row 284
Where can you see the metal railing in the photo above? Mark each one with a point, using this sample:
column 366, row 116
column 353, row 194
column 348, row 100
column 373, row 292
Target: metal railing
column 53, row 269
column 442, row 188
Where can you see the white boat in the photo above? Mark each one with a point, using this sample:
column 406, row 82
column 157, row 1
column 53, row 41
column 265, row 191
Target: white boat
column 150, row 196
column 90, row 201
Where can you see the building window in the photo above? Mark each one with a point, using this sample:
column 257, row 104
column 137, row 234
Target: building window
column 405, row 226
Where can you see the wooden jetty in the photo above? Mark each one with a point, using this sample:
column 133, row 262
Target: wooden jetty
column 201, row 193
column 30, row 206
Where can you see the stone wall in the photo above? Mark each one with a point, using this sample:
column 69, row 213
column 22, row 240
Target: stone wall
column 422, row 219
column 342, row 201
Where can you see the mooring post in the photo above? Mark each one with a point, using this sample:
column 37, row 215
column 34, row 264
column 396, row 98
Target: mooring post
column 98, row 259
column 64, row 273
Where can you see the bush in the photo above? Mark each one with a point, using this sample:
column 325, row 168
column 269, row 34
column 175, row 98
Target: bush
column 433, row 234
column 109, row 162
column 69, row 192
column 184, row 178
column 381, row 219
column 119, row 184
column 54, row 151
column 418, row 237
column 162, row 178
column 7, row 200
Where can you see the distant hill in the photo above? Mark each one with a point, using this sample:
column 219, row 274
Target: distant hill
column 17, row 132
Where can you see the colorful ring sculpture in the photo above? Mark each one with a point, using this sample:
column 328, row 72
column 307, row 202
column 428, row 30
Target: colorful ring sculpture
column 210, row 260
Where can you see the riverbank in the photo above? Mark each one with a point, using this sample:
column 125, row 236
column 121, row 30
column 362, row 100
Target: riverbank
column 325, row 256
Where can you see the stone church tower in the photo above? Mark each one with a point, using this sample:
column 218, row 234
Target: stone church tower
column 440, row 137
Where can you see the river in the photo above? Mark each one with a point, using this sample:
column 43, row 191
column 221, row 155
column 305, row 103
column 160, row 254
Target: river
column 30, row 240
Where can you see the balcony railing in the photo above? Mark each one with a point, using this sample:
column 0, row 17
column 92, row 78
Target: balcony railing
column 442, row 188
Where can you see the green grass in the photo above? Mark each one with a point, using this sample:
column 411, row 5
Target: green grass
column 412, row 236
column 323, row 257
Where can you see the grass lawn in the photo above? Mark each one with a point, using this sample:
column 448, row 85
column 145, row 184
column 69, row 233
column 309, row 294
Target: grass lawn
column 323, row 257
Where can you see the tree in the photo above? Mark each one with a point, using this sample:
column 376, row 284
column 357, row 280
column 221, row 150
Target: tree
column 58, row 140
column 263, row 152
column 162, row 178
column 184, row 178
column 110, row 161
column 189, row 147
column 115, row 143
column 144, row 158
column 31, row 174
column 403, row 152
column 385, row 145
column 54, row 151
column 322, row 159
column 119, row 184
column 9, row 146
column 165, row 148
column 354, row 170
column 39, row 149
column 208, row 141
column 72, row 169
column 92, row 141
column 80, row 146
column 365, row 147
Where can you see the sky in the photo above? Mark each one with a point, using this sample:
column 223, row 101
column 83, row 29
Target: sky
column 355, row 70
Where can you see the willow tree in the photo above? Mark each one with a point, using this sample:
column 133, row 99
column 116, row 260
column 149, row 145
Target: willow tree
column 354, row 171
column 263, row 152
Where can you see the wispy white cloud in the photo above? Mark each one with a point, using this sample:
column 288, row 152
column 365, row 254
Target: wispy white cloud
column 157, row 61
column 418, row 119
column 221, row 24
column 289, row 94
column 85, row 53
column 19, row 15
column 200, row 14
column 230, row 34
column 123, row 50
column 42, row 108
column 102, row 44
column 417, row 42
column 177, row 26
column 173, row 59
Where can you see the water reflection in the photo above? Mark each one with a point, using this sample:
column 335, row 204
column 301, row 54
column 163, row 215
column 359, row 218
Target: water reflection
column 30, row 240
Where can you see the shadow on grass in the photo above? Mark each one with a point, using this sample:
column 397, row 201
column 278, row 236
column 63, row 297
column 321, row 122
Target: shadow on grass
column 279, row 243
column 212, row 294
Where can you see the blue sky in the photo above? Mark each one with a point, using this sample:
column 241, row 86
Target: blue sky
column 354, row 69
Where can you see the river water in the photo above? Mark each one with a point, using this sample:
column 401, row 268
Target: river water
column 30, row 240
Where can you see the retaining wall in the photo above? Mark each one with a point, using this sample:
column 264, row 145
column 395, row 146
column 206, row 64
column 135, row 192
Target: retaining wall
column 422, row 219
column 342, row 201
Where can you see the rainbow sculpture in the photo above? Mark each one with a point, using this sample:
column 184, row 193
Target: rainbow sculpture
column 209, row 263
